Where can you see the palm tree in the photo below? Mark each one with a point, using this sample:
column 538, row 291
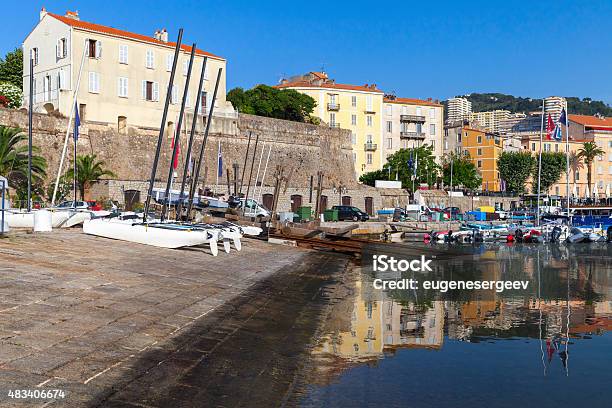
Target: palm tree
column 587, row 153
column 89, row 171
column 14, row 157
column 575, row 164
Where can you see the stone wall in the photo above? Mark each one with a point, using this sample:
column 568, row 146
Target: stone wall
column 302, row 149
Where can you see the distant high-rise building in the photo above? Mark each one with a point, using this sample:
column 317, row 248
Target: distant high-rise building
column 490, row 120
column 553, row 106
column 458, row 109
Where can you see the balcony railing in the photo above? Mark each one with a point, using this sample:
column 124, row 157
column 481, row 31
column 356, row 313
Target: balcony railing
column 333, row 106
column 412, row 118
column 334, row 125
column 369, row 111
column 370, row 147
column 412, row 135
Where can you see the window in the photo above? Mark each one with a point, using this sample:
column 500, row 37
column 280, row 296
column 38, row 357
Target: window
column 123, row 54
column 369, row 103
column 556, row 147
column 547, row 147
column 419, row 128
column 332, row 99
column 433, row 144
column 174, row 95
column 149, row 59
column 610, row 157
column 419, row 111
column 203, row 102
column 34, row 55
column 369, row 139
column 169, row 61
column 369, row 120
column 389, row 126
column 577, row 176
column 479, row 164
column 432, row 113
column 354, row 138
column 479, row 139
column 62, row 79
column 479, row 152
column 94, row 49
column 332, row 119
column 369, row 158
column 599, row 170
column 533, row 147
column 459, row 138
column 150, row 91
column 188, row 99
column 390, row 143
column 354, row 101
column 94, row 82
column 610, row 170
column 60, row 48
column 354, row 157
column 123, row 87
column 556, row 190
column 354, row 120
column 432, row 129
column 185, row 67
column 389, row 109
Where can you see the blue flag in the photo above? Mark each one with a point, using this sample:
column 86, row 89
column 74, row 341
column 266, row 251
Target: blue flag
column 77, row 122
column 562, row 117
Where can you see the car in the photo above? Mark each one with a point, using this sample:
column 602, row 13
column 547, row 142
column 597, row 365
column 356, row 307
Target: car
column 350, row 213
column 81, row 205
column 93, row 205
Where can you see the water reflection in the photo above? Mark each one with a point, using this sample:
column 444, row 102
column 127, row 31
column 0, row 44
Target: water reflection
column 569, row 300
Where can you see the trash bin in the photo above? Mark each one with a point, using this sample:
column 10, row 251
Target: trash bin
column 330, row 215
column 305, row 213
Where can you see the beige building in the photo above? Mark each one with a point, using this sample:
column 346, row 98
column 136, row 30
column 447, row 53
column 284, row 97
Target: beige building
column 124, row 77
column 354, row 107
column 410, row 123
column 490, row 120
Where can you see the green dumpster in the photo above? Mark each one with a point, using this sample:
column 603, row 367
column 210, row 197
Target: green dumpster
column 330, row 215
column 305, row 213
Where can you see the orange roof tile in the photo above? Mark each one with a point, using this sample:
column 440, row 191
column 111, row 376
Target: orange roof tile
column 411, row 101
column 328, row 85
column 591, row 121
column 83, row 25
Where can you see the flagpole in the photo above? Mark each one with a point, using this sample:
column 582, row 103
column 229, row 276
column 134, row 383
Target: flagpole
column 540, row 165
column 75, row 135
column 567, row 164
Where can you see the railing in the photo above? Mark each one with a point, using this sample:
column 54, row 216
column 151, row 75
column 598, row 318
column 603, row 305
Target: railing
column 334, row 125
column 333, row 106
column 412, row 118
column 412, row 135
column 369, row 110
column 370, row 147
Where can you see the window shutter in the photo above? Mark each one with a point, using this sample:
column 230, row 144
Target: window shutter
column 174, row 94
column 87, row 48
column 144, row 90
column 57, row 49
column 54, row 83
column 119, row 83
column 156, row 91
column 91, row 81
column 62, row 75
column 98, row 49
column 168, row 63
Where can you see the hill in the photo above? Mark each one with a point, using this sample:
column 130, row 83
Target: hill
column 490, row 101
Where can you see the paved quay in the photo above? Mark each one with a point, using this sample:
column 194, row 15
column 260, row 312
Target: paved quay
column 118, row 324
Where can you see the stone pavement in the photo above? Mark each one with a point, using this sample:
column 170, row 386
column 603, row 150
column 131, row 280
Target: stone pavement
column 116, row 324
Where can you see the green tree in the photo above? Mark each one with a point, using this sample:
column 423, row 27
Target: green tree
column 588, row 152
column 11, row 68
column 264, row 100
column 89, row 171
column 465, row 172
column 515, row 168
column 14, row 159
column 398, row 163
column 553, row 164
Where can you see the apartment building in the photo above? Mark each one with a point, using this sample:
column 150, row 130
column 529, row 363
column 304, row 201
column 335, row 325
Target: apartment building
column 124, row 76
column 411, row 123
column 553, row 105
column 484, row 149
column 458, row 109
column 354, row 107
column 490, row 120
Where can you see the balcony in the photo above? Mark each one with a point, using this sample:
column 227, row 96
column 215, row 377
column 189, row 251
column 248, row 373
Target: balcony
column 412, row 135
column 369, row 111
column 334, row 125
column 412, row 119
column 370, row 147
column 333, row 106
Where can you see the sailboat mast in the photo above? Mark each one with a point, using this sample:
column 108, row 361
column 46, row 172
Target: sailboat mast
column 567, row 164
column 177, row 135
column 246, row 198
column 30, row 108
column 179, row 209
column 540, row 165
column 194, row 181
column 160, row 138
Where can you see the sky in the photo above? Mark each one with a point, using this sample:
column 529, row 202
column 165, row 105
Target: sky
column 427, row 49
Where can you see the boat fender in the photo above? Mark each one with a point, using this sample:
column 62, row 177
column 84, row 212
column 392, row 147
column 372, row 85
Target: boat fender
column 510, row 238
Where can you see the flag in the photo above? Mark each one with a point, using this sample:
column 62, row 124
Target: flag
column 557, row 134
column 416, row 162
column 550, row 127
column 77, row 122
column 410, row 162
column 562, row 117
column 219, row 162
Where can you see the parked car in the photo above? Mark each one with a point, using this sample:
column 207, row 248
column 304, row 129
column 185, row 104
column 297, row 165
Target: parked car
column 81, row 205
column 253, row 208
column 93, row 205
column 350, row 213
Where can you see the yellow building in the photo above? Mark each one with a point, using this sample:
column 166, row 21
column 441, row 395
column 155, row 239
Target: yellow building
column 124, row 75
column 484, row 149
column 354, row 107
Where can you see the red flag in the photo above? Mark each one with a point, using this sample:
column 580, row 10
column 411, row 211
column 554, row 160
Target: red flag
column 550, row 128
column 175, row 159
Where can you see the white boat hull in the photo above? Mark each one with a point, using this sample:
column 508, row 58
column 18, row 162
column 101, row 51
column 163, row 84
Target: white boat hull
column 145, row 234
column 59, row 218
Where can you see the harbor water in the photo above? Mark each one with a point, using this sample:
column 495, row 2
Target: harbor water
column 547, row 346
